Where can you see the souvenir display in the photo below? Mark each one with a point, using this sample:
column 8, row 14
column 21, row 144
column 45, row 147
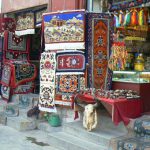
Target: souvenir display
column 64, row 30
column 127, row 4
column 99, row 39
column 118, row 94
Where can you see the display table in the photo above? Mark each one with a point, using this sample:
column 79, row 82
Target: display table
column 119, row 109
column 122, row 109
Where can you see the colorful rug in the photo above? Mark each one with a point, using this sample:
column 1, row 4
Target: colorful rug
column 24, row 89
column 64, row 30
column 6, row 75
column 68, row 83
column 22, row 72
column 5, row 92
column 16, row 48
column 8, row 24
column 47, row 68
column 65, row 99
column 134, row 143
column 38, row 15
column 70, row 62
column 1, row 56
column 47, row 82
column 25, row 23
column 142, row 127
column 99, row 36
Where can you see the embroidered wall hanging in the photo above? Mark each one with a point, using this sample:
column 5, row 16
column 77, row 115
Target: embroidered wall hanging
column 70, row 62
column 17, row 42
column 65, row 90
column 9, row 55
column 1, row 56
column 38, row 16
column 6, row 75
column 24, row 89
column 48, row 67
column 25, row 23
column 8, row 24
column 5, row 92
column 99, row 36
column 16, row 48
column 23, row 72
column 64, row 30
column 47, row 82
column 46, row 99
column 67, row 83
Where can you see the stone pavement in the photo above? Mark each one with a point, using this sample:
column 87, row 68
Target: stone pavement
column 28, row 140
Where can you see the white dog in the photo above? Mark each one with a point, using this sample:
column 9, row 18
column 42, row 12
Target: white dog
column 90, row 117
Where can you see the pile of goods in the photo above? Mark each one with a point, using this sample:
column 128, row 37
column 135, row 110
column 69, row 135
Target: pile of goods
column 118, row 94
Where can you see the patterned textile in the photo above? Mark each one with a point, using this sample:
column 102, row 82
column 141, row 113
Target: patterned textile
column 47, row 82
column 7, row 24
column 5, row 92
column 16, row 48
column 38, row 16
column 99, row 38
column 65, row 93
column 6, row 74
column 47, row 68
column 25, row 23
column 142, row 127
column 70, row 62
column 22, row 73
column 68, row 83
column 23, row 89
column 1, row 56
column 64, row 30
column 134, row 143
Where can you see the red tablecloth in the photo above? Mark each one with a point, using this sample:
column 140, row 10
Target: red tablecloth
column 123, row 109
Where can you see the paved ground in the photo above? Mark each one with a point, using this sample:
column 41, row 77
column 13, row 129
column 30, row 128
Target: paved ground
column 11, row 139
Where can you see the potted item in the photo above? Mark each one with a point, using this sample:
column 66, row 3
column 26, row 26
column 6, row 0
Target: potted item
column 53, row 119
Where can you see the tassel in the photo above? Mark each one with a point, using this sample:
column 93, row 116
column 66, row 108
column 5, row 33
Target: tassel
column 141, row 17
column 127, row 18
column 134, row 18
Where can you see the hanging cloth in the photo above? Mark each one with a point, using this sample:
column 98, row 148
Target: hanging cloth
column 127, row 18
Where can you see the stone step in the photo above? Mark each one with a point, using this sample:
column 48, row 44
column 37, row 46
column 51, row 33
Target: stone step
column 45, row 127
column 21, row 124
column 70, row 142
column 98, row 136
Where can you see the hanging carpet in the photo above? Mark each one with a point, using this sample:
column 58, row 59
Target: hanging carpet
column 99, row 36
column 70, row 62
column 8, row 24
column 25, row 23
column 47, row 82
column 16, row 48
column 64, row 30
